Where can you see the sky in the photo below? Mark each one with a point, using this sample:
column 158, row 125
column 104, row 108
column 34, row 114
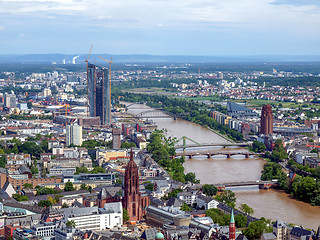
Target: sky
column 161, row 27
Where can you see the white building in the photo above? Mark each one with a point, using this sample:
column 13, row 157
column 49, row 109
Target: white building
column 74, row 135
column 43, row 230
column 206, row 202
column 93, row 218
column 188, row 197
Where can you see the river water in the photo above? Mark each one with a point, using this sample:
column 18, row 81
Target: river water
column 270, row 203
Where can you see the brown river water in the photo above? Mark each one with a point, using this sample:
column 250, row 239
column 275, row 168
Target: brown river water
column 271, row 204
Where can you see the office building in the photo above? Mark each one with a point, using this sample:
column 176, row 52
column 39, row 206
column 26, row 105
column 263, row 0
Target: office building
column 10, row 101
column 99, row 93
column 74, row 135
column 116, row 140
column 266, row 120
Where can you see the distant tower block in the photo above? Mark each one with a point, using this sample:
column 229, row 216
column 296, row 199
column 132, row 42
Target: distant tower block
column 116, row 140
column 266, row 120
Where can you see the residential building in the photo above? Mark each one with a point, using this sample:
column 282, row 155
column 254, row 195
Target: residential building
column 74, row 135
column 18, row 159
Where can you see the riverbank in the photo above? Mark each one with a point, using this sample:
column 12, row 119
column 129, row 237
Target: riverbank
column 270, row 204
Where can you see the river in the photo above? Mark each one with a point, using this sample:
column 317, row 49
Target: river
column 271, row 204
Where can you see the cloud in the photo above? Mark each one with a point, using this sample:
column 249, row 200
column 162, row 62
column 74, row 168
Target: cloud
column 171, row 14
column 2, row 28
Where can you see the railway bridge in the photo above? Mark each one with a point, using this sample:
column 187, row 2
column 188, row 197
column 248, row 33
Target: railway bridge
column 261, row 184
column 214, row 152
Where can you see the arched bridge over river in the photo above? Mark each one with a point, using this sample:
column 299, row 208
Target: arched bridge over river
column 214, row 152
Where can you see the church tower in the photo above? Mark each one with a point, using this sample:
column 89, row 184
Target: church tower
column 132, row 196
column 232, row 228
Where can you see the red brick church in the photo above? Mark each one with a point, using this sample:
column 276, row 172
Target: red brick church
column 133, row 201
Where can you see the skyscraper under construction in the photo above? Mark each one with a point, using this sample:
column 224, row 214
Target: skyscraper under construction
column 99, row 93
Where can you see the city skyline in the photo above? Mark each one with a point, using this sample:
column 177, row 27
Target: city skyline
column 209, row 28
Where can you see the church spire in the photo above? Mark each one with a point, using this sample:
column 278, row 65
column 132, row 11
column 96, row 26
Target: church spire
column 232, row 228
column 232, row 217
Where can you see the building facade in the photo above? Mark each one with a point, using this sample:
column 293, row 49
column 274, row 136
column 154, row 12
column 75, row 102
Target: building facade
column 74, row 135
column 99, row 93
column 133, row 202
column 266, row 120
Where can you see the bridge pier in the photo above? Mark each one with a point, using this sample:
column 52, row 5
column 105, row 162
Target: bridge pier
column 247, row 155
column 209, row 155
column 190, row 156
column 228, row 155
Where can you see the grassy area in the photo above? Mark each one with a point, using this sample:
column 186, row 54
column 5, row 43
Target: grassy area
column 261, row 102
column 209, row 98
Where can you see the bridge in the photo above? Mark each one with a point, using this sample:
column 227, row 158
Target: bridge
column 154, row 113
column 261, row 184
column 213, row 152
column 184, row 145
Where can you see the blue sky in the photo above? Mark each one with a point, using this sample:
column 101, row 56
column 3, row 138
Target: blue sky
column 161, row 27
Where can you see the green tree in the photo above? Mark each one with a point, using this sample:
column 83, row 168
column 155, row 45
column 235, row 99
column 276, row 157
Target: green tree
column 15, row 149
column 246, row 209
column 68, row 187
column 83, row 186
column 71, row 224
column 258, row 146
column 241, row 221
column 125, row 215
column 218, row 216
column 209, row 189
column 191, row 177
column 184, row 207
column 20, row 198
column 256, row 229
column 29, row 105
column 64, row 205
column 28, row 186
column 279, row 153
column 98, row 169
column 128, row 145
column 150, row 186
column 81, row 170
column 227, row 197
column 315, row 201
column 44, row 145
column 44, row 203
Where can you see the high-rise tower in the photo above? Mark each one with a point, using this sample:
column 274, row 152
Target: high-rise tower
column 99, row 92
column 266, row 120
column 74, row 134
column 232, row 228
column 132, row 196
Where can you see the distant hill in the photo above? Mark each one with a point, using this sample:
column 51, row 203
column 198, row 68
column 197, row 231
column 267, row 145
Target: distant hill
column 144, row 58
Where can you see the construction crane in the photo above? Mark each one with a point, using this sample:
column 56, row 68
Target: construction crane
column 109, row 61
column 87, row 61
column 66, row 108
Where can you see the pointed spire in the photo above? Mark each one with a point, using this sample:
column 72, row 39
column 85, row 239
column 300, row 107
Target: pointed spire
column 232, row 217
column 131, row 155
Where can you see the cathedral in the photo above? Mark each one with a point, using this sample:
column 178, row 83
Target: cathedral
column 133, row 200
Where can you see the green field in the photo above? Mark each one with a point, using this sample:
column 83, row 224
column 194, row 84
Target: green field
column 260, row 103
